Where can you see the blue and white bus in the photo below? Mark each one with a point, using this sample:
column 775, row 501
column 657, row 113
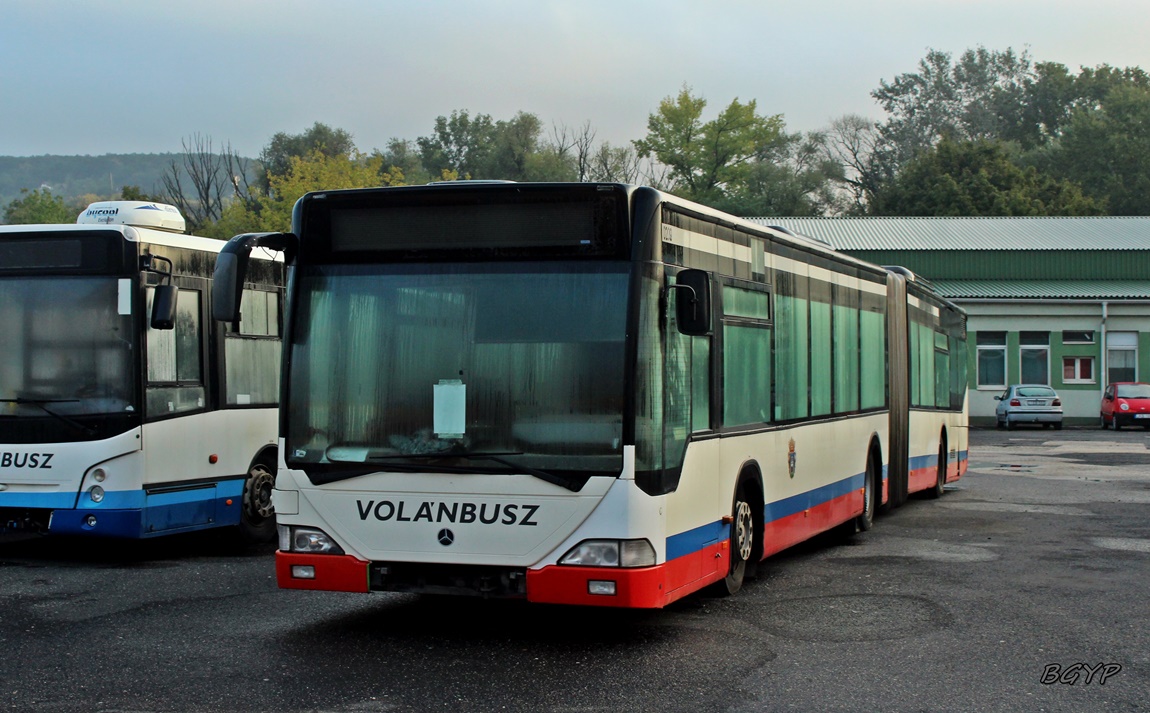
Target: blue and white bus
column 591, row 394
column 124, row 410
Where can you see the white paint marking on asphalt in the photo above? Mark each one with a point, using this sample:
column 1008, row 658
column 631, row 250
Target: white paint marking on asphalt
column 1126, row 544
column 1033, row 508
column 932, row 550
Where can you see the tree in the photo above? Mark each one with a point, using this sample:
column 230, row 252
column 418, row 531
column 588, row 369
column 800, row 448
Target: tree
column 38, row 206
column 200, row 181
column 309, row 173
column 1107, row 150
column 458, row 143
column 512, row 144
column 978, row 178
column 134, row 193
column 967, row 100
column 283, row 147
column 403, row 156
column 850, row 143
column 614, row 164
column 705, row 159
column 790, row 176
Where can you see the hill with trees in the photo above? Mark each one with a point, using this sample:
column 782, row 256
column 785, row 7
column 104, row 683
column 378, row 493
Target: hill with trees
column 72, row 177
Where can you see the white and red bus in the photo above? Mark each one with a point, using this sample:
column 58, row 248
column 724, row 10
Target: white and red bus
column 588, row 394
column 125, row 411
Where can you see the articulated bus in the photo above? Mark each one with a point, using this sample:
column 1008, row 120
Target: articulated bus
column 591, row 394
column 125, row 411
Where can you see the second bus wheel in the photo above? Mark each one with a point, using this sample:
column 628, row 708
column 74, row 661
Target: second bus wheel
column 257, row 516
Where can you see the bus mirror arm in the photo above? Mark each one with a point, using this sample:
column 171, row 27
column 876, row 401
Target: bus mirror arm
column 232, row 266
column 164, row 295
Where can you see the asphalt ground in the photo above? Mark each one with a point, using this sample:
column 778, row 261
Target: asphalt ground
column 1024, row 588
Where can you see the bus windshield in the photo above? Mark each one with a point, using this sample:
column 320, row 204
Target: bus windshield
column 66, row 351
column 434, row 367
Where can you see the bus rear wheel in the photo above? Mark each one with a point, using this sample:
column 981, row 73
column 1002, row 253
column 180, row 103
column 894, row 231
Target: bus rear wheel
column 940, row 481
column 258, row 516
column 865, row 521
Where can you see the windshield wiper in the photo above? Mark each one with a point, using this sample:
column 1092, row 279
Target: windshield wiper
column 43, row 404
column 497, row 456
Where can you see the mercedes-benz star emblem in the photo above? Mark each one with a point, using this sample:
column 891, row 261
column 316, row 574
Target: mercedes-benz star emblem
column 445, row 537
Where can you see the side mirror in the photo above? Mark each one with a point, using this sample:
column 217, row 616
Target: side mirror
column 232, row 266
column 693, row 303
column 998, row 397
column 164, row 306
column 227, row 283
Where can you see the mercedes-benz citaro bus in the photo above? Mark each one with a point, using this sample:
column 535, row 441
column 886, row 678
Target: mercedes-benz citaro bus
column 125, row 411
column 592, row 394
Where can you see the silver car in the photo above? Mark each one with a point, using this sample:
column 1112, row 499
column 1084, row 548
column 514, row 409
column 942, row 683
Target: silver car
column 1029, row 403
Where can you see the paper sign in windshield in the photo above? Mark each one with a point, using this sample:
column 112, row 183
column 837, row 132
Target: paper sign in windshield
column 450, row 418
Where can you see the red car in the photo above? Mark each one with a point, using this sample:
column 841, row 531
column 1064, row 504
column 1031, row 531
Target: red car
column 1126, row 403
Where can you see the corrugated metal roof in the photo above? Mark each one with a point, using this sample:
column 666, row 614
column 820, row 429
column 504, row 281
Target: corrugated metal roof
column 1107, row 233
column 1043, row 289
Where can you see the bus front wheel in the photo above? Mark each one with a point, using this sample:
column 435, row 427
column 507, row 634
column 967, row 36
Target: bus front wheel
column 258, row 517
column 742, row 543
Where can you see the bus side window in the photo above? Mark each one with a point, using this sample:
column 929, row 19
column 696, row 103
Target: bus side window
column 175, row 360
column 252, row 356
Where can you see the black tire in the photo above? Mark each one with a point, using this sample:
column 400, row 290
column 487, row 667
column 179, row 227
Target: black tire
column 998, row 422
column 871, row 496
column 940, row 479
column 1102, row 422
column 1009, row 424
column 1058, row 426
column 1114, row 422
column 257, row 516
column 742, row 543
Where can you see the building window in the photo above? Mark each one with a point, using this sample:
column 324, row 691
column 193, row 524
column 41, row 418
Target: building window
column 1077, row 337
column 1078, row 370
column 1121, row 356
column 991, row 348
column 1034, row 357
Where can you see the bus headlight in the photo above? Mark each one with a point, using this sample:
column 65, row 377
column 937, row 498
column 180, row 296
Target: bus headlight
column 307, row 539
column 611, row 553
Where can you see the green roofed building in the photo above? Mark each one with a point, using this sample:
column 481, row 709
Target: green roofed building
column 1058, row 301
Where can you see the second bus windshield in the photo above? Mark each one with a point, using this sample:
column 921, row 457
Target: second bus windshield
column 524, row 360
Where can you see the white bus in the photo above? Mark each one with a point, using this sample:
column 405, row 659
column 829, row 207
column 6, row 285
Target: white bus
column 125, row 411
column 588, row 393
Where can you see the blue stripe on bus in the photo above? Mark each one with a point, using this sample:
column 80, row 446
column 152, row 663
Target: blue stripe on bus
column 43, row 501
column 812, row 498
column 931, row 461
column 692, row 541
column 137, row 513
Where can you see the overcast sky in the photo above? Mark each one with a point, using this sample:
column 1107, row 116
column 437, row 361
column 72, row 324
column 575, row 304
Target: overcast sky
column 131, row 76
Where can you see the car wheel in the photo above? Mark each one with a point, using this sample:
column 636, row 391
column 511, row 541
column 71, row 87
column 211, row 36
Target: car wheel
column 1114, row 422
column 1058, row 426
column 1009, row 424
column 1102, row 422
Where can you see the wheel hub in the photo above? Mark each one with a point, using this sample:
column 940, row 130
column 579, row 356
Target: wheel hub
column 744, row 530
